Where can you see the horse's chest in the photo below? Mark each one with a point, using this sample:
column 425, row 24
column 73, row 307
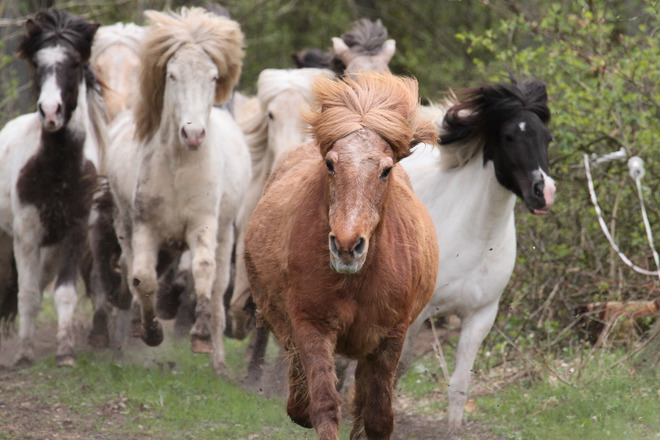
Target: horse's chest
column 61, row 195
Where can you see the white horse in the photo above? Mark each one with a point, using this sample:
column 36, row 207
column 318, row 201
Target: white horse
column 493, row 147
column 48, row 165
column 116, row 62
column 273, row 127
column 178, row 172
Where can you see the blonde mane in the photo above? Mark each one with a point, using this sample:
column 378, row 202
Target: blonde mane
column 382, row 102
column 219, row 37
column 128, row 34
column 273, row 82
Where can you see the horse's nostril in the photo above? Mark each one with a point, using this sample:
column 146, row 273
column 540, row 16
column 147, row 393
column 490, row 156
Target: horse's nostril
column 59, row 108
column 538, row 189
column 333, row 245
column 183, row 133
column 41, row 110
column 359, row 247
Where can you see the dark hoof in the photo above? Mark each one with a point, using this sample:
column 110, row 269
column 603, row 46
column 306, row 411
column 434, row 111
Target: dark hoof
column 65, row 360
column 303, row 421
column 152, row 334
column 99, row 340
column 201, row 345
column 23, row 362
column 168, row 301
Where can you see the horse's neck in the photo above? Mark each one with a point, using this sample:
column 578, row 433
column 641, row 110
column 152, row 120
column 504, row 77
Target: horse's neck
column 477, row 201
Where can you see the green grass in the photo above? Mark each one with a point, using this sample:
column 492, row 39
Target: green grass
column 607, row 402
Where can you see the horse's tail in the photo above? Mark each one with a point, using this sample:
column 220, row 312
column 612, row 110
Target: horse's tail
column 8, row 282
column 254, row 123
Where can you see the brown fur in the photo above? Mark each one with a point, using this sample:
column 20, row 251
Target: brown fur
column 220, row 37
column 315, row 311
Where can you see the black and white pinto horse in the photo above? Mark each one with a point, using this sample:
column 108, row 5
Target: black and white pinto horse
column 493, row 147
column 48, row 169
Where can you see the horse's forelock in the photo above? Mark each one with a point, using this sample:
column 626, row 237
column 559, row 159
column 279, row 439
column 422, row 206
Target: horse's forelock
column 366, row 37
column 50, row 28
column 482, row 110
column 220, row 38
column 381, row 102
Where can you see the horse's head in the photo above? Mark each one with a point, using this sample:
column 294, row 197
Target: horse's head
column 189, row 62
column 57, row 46
column 512, row 121
column 116, row 62
column 365, row 48
column 282, row 93
column 364, row 126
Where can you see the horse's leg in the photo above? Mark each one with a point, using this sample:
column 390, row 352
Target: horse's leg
column 144, row 282
column 258, row 356
column 66, row 295
column 474, row 329
column 238, row 313
column 374, row 387
column 297, row 406
column 316, row 347
column 27, row 254
column 407, row 354
column 203, row 241
column 223, row 272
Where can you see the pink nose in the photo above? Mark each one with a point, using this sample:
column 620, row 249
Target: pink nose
column 193, row 135
column 50, row 113
column 549, row 193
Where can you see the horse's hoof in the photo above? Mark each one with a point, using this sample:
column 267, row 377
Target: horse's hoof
column 201, row 345
column 153, row 334
column 99, row 340
column 304, row 421
column 65, row 360
column 221, row 371
column 23, row 362
column 167, row 302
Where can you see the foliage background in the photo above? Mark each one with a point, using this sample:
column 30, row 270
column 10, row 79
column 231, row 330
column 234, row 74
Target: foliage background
column 600, row 61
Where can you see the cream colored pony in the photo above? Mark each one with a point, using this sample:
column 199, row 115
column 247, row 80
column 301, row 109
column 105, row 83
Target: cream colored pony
column 179, row 169
column 116, row 62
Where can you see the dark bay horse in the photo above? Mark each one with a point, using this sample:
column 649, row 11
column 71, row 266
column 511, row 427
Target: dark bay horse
column 341, row 255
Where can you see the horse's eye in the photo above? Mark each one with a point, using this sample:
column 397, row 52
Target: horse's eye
column 508, row 138
column 331, row 167
column 171, row 76
column 386, row 172
column 215, row 79
column 270, row 116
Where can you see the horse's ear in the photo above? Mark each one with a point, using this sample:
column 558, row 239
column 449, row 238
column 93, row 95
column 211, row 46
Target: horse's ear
column 389, row 47
column 339, row 46
column 32, row 27
column 297, row 60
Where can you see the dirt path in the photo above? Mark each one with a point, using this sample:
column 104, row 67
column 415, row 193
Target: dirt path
column 24, row 416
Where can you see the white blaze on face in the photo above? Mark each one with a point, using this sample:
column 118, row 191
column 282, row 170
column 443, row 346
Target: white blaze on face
column 548, row 189
column 522, row 128
column 50, row 98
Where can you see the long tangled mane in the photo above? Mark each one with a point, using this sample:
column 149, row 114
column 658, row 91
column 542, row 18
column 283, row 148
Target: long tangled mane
column 219, row 37
column 382, row 102
column 474, row 121
column 57, row 27
column 273, row 82
column 128, row 34
column 366, row 37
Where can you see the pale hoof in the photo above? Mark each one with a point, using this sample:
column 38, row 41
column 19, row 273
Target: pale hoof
column 65, row 360
column 221, row 371
column 99, row 340
column 201, row 345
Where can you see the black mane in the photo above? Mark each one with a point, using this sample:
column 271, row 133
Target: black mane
column 481, row 111
column 55, row 27
column 316, row 58
column 366, row 37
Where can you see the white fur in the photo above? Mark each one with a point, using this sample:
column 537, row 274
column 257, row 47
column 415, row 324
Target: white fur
column 473, row 216
column 19, row 141
column 50, row 56
column 522, row 126
column 196, row 194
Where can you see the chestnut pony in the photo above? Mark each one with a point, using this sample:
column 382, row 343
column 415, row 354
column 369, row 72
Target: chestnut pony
column 341, row 255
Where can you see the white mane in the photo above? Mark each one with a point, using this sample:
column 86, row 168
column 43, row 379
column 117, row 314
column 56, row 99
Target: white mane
column 128, row 34
column 271, row 83
column 457, row 154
